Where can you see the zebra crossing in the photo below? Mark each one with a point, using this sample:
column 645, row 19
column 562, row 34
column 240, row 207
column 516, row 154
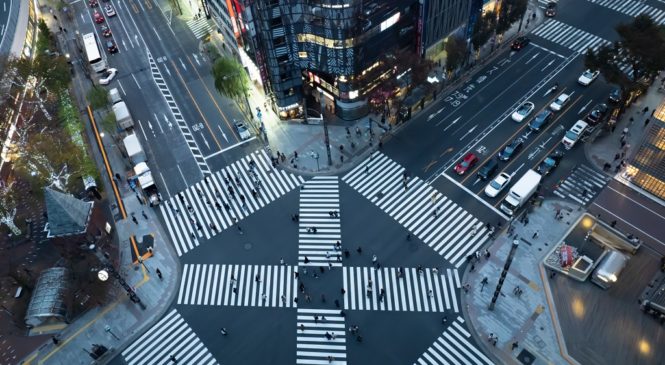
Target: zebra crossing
column 170, row 336
column 453, row 347
column 216, row 202
column 443, row 225
column 319, row 208
column 239, row 285
column 582, row 185
column 321, row 337
column 568, row 36
column 386, row 289
column 633, row 8
column 201, row 27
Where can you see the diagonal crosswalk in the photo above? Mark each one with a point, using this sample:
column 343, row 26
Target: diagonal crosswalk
column 319, row 209
column 568, row 36
column 582, row 185
column 213, row 204
column 453, row 347
column 633, row 8
column 443, row 225
column 171, row 336
column 394, row 289
column 321, row 337
column 239, row 285
column 200, row 27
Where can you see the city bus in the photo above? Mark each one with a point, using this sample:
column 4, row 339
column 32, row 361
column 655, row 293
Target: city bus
column 96, row 58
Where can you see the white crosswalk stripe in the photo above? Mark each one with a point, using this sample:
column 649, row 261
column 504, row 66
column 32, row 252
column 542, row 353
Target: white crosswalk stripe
column 453, row 347
column 543, row 3
column 633, row 8
column 313, row 346
column 386, row 289
column 170, row 336
column 319, row 198
column 582, row 185
column 211, row 205
column 200, row 27
column 449, row 232
column 568, row 36
column 239, row 285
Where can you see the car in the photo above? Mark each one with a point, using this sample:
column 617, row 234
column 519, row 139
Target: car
column 587, row 77
column 550, row 9
column 519, row 43
column 523, row 111
column 495, row 186
column 106, row 31
column 488, row 169
column 540, row 120
column 99, row 18
column 242, row 129
column 615, row 95
column 549, row 163
column 511, row 150
column 574, row 134
column 93, row 3
column 560, row 102
column 597, row 114
column 108, row 76
column 109, row 10
column 111, row 47
column 466, row 164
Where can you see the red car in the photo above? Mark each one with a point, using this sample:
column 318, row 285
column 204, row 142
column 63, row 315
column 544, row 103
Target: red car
column 99, row 18
column 466, row 164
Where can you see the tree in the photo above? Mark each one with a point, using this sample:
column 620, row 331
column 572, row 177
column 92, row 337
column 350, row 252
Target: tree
column 8, row 204
column 231, row 80
column 510, row 12
column 482, row 30
column 98, row 97
column 455, row 53
column 635, row 56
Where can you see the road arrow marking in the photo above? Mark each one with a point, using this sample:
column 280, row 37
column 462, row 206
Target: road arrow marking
column 532, row 58
column 469, row 132
column 182, row 64
column 223, row 134
column 452, row 123
column 547, row 65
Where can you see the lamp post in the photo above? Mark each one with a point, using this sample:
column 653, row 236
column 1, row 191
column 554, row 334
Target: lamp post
column 107, row 328
column 316, row 157
column 108, row 270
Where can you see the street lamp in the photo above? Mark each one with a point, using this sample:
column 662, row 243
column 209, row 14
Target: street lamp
column 316, row 157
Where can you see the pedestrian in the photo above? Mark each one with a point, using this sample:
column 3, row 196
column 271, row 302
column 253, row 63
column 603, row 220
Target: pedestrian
column 306, row 260
column 431, row 293
column 343, row 291
column 295, row 155
column 323, row 298
column 347, row 254
column 281, row 261
column 134, row 219
column 614, row 223
column 173, row 359
column 374, row 259
column 514, row 345
column 359, row 250
column 55, row 339
column 646, row 122
column 617, row 156
column 159, row 274
column 535, row 234
column 645, row 110
column 366, row 169
column 336, row 303
column 224, row 332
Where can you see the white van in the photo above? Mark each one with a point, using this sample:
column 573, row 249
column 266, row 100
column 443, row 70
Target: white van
column 574, row 134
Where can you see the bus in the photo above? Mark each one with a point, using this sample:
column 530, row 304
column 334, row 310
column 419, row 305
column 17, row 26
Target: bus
column 95, row 56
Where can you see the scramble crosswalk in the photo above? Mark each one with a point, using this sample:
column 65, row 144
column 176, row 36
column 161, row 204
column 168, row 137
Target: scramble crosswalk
column 215, row 203
column 171, row 336
column 568, row 36
column 393, row 289
column 582, row 185
column 633, row 8
column 453, row 347
column 442, row 224
column 319, row 210
column 201, row 27
column 321, row 337
column 238, row 285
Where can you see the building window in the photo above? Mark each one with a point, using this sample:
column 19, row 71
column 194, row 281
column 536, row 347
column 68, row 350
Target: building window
column 302, row 54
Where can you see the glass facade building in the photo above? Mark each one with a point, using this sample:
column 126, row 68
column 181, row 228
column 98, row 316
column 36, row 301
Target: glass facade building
column 647, row 169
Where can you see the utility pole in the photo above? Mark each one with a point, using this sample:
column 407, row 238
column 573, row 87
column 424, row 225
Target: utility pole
column 326, row 138
column 504, row 272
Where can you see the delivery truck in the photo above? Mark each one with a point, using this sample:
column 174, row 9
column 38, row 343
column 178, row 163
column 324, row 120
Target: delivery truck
column 142, row 176
column 520, row 193
column 134, row 150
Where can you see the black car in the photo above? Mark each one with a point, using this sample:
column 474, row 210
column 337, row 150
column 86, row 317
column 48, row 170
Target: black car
column 550, row 9
column 511, row 150
column 597, row 114
column 550, row 162
column 520, row 43
column 488, row 170
column 540, row 120
column 111, row 47
column 615, row 95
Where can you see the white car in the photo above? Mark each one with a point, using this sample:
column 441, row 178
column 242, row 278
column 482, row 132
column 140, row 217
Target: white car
column 243, row 132
column 560, row 102
column 523, row 111
column 499, row 183
column 587, row 77
column 108, row 76
column 109, row 10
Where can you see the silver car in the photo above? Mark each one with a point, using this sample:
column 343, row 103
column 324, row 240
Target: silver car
column 242, row 129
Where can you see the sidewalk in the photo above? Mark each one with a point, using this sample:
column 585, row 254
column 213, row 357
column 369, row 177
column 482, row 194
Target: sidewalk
column 529, row 319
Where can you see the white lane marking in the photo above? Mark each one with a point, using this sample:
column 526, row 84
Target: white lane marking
column 475, row 196
column 136, row 81
column 628, row 223
column 230, row 147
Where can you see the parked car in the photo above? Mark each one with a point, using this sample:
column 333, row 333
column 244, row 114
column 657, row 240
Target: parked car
column 111, row 47
column 550, row 162
column 242, row 129
column 106, row 31
column 523, row 111
column 109, row 10
column 587, row 77
column 499, row 183
column 597, row 114
column 560, row 102
column 520, row 43
column 93, row 3
column 615, row 95
column 550, row 9
column 99, row 18
column 540, row 120
column 108, row 76
column 511, row 150
column 466, row 164
column 488, row 169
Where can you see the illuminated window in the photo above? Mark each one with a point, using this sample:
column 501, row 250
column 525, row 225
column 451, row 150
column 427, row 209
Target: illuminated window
column 302, row 54
column 389, row 22
column 326, row 42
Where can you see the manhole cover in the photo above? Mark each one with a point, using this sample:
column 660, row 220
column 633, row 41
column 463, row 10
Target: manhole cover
column 247, row 246
column 526, row 358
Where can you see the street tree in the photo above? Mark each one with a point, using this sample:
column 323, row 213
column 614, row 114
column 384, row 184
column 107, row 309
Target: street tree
column 456, row 49
column 98, row 97
column 510, row 12
column 8, row 204
column 231, row 80
column 482, row 30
